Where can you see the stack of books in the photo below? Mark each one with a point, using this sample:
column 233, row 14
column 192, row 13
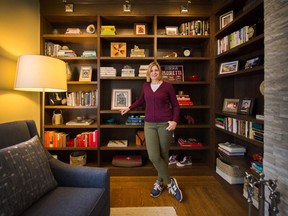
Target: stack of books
column 135, row 120
column 184, row 100
column 66, row 53
column 257, row 166
column 143, row 70
column 231, row 149
column 89, row 54
column 108, row 30
column 189, row 142
column 107, row 72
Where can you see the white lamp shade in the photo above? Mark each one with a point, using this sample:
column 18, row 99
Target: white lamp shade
column 40, row 73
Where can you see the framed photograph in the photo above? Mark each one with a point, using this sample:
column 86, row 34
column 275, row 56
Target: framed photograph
column 229, row 67
column 230, row 105
column 246, row 106
column 121, row 98
column 85, row 73
column 173, row 73
column 225, row 19
column 250, row 63
column 171, row 30
column 140, row 28
column 57, row 98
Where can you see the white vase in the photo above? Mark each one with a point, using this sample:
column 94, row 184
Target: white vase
column 68, row 72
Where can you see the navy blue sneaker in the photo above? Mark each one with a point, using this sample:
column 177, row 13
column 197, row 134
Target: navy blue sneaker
column 175, row 190
column 157, row 189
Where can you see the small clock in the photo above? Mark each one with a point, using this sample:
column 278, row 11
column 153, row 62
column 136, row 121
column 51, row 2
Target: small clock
column 186, row 52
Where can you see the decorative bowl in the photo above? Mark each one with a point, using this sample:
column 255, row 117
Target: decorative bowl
column 194, row 78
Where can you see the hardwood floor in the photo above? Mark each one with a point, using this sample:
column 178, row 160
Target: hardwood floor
column 203, row 195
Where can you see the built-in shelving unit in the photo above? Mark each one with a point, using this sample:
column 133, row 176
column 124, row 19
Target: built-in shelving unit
column 242, row 84
column 156, row 44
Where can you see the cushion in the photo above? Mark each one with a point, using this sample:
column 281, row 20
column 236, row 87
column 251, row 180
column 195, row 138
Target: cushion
column 127, row 161
column 25, row 176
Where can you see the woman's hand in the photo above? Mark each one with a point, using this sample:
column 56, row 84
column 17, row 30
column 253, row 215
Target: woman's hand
column 124, row 110
column 172, row 125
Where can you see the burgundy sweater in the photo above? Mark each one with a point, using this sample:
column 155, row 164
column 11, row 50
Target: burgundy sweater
column 161, row 105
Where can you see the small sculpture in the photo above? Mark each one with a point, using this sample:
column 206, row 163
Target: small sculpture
column 190, row 119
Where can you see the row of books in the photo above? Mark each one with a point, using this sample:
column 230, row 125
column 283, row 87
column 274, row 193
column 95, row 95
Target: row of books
column 251, row 130
column 52, row 49
column 56, row 139
column 195, row 27
column 108, row 72
column 82, row 98
column 234, row 39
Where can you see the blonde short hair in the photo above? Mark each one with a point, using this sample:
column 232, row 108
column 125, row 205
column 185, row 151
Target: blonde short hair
column 150, row 68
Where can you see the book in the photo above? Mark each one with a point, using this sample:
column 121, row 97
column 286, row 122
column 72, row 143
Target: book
column 81, row 122
column 230, row 153
column 232, row 147
column 117, row 143
column 189, row 142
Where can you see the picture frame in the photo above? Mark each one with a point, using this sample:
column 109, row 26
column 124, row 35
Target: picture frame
column 250, row 63
column 228, row 67
column 57, row 98
column 171, row 30
column 225, row 19
column 140, row 29
column 246, row 106
column 121, row 98
column 230, row 105
column 85, row 73
column 118, row 49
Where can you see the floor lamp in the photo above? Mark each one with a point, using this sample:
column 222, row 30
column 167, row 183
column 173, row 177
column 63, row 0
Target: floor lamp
column 38, row 73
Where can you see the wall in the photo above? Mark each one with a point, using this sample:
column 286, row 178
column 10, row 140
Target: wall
column 19, row 34
column 276, row 98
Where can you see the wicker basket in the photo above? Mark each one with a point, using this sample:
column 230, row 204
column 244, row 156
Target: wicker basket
column 78, row 158
column 232, row 171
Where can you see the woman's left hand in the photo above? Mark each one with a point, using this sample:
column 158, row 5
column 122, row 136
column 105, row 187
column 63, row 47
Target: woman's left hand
column 172, row 125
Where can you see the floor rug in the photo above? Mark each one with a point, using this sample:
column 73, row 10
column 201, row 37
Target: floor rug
column 143, row 211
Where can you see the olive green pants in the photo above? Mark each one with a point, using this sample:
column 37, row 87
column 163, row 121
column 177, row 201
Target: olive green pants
column 158, row 141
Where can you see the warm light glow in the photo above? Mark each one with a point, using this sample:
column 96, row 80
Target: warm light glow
column 40, row 73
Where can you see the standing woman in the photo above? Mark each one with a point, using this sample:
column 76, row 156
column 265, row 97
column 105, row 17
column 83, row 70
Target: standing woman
column 161, row 116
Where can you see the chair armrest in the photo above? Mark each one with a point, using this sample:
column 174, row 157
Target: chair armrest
column 80, row 176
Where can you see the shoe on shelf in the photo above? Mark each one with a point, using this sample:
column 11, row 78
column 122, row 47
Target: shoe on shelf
column 172, row 159
column 157, row 189
column 185, row 162
column 175, row 190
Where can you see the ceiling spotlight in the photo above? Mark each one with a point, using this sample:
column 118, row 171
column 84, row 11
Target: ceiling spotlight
column 184, row 8
column 127, row 7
